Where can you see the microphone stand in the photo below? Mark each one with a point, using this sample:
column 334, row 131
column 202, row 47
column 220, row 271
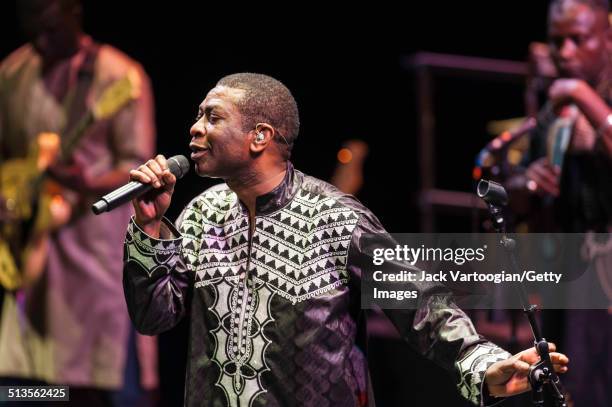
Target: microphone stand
column 541, row 373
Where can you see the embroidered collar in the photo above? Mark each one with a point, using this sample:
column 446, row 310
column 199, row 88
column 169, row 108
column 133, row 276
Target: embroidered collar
column 279, row 196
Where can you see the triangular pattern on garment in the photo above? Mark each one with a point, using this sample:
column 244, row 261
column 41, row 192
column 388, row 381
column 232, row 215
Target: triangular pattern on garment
column 265, row 243
column 326, row 278
column 230, row 216
column 286, row 253
column 191, row 258
column 286, row 220
column 279, row 234
column 219, row 217
column 189, row 246
column 274, row 246
column 270, row 262
column 295, row 223
column 222, row 244
column 291, row 239
column 271, row 277
column 295, row 259
column 192, row 216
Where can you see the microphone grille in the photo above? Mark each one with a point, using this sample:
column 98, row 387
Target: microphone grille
column 178, row 165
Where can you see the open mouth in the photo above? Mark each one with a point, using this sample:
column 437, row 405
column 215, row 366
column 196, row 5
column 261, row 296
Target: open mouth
column 198, row 151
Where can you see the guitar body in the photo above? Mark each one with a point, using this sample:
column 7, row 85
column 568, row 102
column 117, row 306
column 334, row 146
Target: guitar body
column 34, row 206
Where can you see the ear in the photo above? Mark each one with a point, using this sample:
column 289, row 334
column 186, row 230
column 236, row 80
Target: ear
column 261, row 137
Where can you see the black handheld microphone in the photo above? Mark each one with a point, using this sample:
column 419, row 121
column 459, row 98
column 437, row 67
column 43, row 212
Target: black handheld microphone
column 178, row 165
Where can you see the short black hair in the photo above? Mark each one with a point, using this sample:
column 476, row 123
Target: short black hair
column 36, row 6
column 266, row 100
column 28, row 9
column 557, row 6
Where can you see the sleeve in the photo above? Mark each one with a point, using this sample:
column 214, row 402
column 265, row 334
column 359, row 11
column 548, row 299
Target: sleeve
column 156, row 279
column 436, row 327
column 133, row 127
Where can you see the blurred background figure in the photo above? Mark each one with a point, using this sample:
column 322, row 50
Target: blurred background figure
column 568, row 173
column 75, row 116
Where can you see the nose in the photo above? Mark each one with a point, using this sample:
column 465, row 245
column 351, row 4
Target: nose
column 198, row 129
column 568, row 49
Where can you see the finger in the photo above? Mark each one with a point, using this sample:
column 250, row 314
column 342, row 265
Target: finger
column 161, row 161
column 529, row 356
column 169, row 180
column 149, row 173
column 560, row 368
column 559, row 358
column 521, row 367
column 514, row 365
column 552, row 347
column 155, row 167
column 136, row 175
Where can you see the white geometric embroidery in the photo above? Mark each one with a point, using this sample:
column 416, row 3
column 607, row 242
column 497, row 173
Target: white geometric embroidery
column 472, row 367
column 150, row 256
column 297, row 252
column 241, row 366
column 300, row 250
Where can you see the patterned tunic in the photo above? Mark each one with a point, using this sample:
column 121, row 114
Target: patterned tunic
column 276, row 318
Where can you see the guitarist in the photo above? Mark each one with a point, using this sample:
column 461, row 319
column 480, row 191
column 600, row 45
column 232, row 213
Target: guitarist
column 77, row 325
column 571, row 167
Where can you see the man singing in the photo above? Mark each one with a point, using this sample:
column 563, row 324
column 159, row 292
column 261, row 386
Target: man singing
column 270, row 264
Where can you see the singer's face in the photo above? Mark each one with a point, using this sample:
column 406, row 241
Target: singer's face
column 219, row 144
column 578, row 38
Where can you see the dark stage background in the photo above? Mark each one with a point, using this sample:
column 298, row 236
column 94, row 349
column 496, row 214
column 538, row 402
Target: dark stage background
column 343, row 67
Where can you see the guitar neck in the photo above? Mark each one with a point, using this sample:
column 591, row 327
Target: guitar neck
column 71, row 139
column 113, row 99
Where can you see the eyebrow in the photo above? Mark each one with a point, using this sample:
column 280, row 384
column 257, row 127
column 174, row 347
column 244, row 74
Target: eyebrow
column 210, row 108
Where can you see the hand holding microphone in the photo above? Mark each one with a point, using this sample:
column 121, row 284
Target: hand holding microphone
column 150, row 189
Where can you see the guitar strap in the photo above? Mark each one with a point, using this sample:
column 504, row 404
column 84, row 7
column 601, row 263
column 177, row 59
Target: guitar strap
column 76, row 106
